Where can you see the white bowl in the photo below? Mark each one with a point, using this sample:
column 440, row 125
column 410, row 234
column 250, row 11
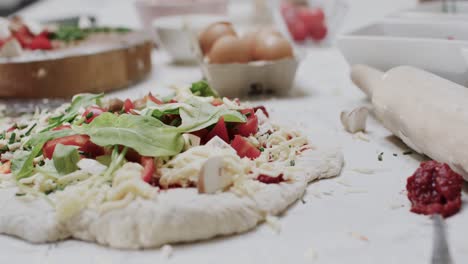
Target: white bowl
column 175, row 33
column 441, row 48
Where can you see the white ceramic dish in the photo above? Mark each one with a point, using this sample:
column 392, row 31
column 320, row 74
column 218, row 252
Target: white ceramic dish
column 441, row 48
column 174, row 33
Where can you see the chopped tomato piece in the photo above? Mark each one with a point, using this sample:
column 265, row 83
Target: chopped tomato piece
column 128, row 105
column 244, row 148
column 172, row 101
column 269, row 179
column 263, row 109
column 62, row 127
column 40, row 43
column 5, row 167
column 148, row 169
column 154, row 99
column 83, row 143
column 249, row 127
column 219, row 130
column 133, row 156
column 217, row 102
column 201, row 134
column 91, row 113
column 12, row 128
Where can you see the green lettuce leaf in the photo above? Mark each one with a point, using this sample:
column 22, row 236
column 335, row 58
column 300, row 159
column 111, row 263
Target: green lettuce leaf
column 146, row 135
column 202, row 88
column 157, row 111
column 66, row 158
column 203, row 114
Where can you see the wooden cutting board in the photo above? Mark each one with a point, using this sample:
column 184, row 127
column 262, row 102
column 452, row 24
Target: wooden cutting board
column 91, row 66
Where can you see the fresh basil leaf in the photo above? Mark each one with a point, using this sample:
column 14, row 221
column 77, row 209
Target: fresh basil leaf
column 79, row 101
column 202, row 88
column 65, row 158
column 203, row 114
column 146, row 135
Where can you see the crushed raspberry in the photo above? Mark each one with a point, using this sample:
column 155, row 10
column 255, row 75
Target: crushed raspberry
column 435, row 189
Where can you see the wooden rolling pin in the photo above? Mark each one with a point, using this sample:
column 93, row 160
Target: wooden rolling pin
column 429, row 113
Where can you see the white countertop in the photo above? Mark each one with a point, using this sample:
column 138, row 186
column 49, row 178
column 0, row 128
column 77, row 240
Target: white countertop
column 354, row 218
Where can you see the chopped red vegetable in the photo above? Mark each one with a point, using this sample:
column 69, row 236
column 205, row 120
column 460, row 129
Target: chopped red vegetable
column 219, row 130
column 244, row 148
column 149, row 168
column 92, row 112
column 249, row 127
column 263, row 109
column 269, row 179
column 154, row 99
column 83, row 143
column 128, row 105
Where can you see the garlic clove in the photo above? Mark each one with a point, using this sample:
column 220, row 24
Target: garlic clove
column 355, row 120
column 11, row 48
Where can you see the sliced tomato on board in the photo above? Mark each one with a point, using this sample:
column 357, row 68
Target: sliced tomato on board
column 149, row 168
column 92, row 112
column 244, row 148
column 83, row 143
column 128, row 105
column 219, row 130
column 249, row 127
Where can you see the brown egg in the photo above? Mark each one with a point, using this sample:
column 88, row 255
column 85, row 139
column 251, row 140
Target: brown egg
column 212, row 33
column 272, row 47
column 230, row 49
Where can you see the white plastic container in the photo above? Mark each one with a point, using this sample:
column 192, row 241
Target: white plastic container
column 441, row 48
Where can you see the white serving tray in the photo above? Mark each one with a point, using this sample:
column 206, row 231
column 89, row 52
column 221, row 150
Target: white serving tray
column 438, row 47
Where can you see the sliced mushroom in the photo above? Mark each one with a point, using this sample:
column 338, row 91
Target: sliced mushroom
column 191, row 141
column 211, row 178
column 355, row 120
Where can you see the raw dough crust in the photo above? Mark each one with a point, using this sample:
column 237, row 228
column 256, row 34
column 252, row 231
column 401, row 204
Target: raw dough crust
column 176, row 215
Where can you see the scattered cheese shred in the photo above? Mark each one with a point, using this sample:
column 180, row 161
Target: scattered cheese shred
column 274, row 223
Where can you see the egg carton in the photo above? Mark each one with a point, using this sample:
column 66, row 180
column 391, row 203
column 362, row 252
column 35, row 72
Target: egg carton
column 237, row 80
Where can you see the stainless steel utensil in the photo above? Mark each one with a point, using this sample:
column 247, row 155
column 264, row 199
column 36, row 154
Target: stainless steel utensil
column 440, row 248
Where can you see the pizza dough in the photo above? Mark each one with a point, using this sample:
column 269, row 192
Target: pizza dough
column 175, row 215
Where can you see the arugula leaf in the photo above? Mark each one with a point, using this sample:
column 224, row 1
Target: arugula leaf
column 22, row 165
column 79, row 101
column 146, row 135
column 203, row 114
column 65, row 159
column 202, row 88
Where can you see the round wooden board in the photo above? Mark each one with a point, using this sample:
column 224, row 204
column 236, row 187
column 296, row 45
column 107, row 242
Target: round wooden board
column 102, row 70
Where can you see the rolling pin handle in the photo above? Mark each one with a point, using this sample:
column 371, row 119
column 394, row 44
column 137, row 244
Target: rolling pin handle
column 366, row 78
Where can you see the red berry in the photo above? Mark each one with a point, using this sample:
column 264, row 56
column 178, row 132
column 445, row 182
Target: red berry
column 298, row 30
column 319, row 33
column 311, row 17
